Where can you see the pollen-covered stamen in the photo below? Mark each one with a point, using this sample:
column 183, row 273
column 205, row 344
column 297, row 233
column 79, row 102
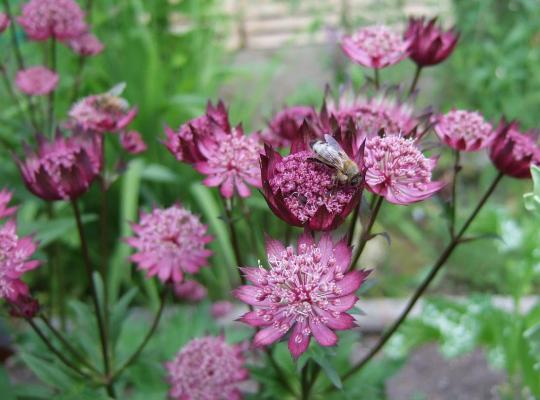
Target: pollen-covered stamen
column 307, row 185
column 464, row 130
column 378, row 41
column 237, row 154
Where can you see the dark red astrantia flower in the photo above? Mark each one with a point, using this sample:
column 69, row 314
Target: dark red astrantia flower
column 304, row 192
column 513, row 152
column 63, row 168
column 285, row 125
column 430, row 45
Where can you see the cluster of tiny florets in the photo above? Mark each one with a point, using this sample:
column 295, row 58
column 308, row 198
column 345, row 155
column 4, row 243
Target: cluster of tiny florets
column 398, row 170
column 36, row 81
column 307, row 185
column 169, row 243
column 14, row 261
column 464, row 130
column 59, row 19
column 86, row 45
column 207, row 368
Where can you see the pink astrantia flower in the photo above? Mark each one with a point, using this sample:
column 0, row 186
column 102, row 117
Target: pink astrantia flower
column 58, row 19
column 306, row 291
column 227, row 157
column 513, row 152
column 375, row 47
column 169, row 243
column 221, row 308
column 430, row 44
column 132, row 142
column 15, row 253
column 285, row 126
column 207, row 368
column 304, row 192
column 86, row 45
column 106, row 112
column 63, row 168
column 370, row 115
column 36, row 81
column 397, row 170
column 5, row 198
column 184, row 143
column 4, row 22
column 464, row 130
column 190, row 290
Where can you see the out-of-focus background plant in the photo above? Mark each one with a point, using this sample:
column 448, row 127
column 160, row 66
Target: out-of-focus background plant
column 176, row 54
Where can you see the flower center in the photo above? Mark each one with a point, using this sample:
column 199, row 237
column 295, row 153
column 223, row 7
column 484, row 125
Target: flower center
column 378, row 41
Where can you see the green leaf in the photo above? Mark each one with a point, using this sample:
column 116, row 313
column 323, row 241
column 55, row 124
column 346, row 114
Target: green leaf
column 48, row 231
column 159, row 173
column 320, row 358
column 6, row 388
column 48, row 372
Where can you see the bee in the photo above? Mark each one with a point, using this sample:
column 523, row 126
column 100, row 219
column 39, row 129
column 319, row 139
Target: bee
column 330, row 153
column 112, row 101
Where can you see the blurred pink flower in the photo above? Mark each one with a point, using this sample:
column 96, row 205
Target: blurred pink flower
column 183, row 144
column 58, row 19
column 106, row 112
column 430, row 45
column 24, row 306
column 370, row 115
column 169, row 243
column 36, row 81
column 464, row 130
column 304, row 192
column 4, row 22
column 221, row 308
column 132, row 142
column 398, row 171
column 227, row 157
column 375, row 47
column 285, row 125
column 207, row 368
column 190, row 290
column 307, row 290
column 86, row 45
column 62, row 168
column 14, row 261
column 513, row 152
column 5, row 198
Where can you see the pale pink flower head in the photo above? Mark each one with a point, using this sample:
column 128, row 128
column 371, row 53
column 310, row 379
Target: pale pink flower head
column 398, row 171
column 36, row 81
column 170, row 242
column 221, row 308
column 184, row 143
column 207, row 368
column 86, row 45
column 58, row 19
column 100, row 113
column 306, row 291
column 132, row 142
column 62, row 168
column 4, row 22
column 375, row 46
column 513, row 152
column 464, row 130
column 15, row 254
column 305, row 192
column 384, row 111
column 5, row 198
column 284, row 127
column 190, row 290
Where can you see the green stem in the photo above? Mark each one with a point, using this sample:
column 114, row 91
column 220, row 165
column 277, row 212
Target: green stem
column 89, row 273
column 227, row 206
column 376, row 79
column 352, row 226
column 414, row 82
column 366, row 232
column 13, row 29
column 78, row 78
column 50, row 103
column 282, row 376
column 104, row 236
column 453, row 209
column 304, row 381
column 143, row 344
column 427, row 281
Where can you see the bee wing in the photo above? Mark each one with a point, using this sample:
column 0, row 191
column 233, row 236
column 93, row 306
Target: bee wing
column 334, row 144
column 117, row 89
column 328, row 155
